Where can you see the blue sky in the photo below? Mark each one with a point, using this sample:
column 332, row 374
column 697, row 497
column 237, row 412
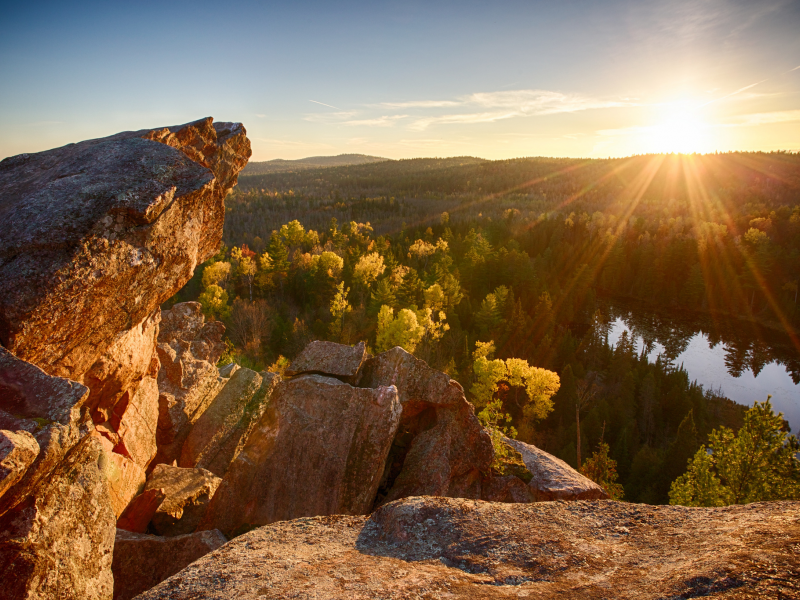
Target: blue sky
column 405, row 79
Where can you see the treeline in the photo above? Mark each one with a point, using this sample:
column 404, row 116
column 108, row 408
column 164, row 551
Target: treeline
column 715, row 233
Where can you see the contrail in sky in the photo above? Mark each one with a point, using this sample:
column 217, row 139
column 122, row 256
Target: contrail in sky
column 323, row 104
column 739, row 91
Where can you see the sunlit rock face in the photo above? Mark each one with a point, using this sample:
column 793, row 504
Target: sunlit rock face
column 58, row 542
column 319, row 449
column 95, row 236
column 188, row 380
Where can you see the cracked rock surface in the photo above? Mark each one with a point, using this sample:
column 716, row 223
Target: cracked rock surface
column 432, row 548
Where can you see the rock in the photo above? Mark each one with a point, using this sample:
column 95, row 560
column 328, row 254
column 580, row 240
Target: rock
column 115, row 377
column 125, row 480
column 228, row 370
column 467, row 549
column 553, row 479
column 138, row 424
column 506, row 488
column 17, row 453
column 143, row 561
column 329, row 358
column 95, row 236
column 188, row 381
column 58, row 543
column 319, row 449
column 139, row 512
column 440, row 448
column 187, row 494
column 220, row 433
column 52, row 409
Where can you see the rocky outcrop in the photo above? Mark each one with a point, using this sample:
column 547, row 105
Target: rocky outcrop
column 440, row 448
column 220, row 433
column 52, row 409
column 140, row 511
column 330, row 358
column 94, row 237
column 552, row 478
column 118, row 225
column 466, row 549
column 142, row 561
column 188, row 381
column 319, row 449
column 58, row 542
column 187, row 493
column 18, row 450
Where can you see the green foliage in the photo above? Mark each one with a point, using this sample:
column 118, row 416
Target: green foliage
column 214, row 301
column 339, row 308
column 403, row 330
column 602, row 469
column 538, row 255
column 757, row 463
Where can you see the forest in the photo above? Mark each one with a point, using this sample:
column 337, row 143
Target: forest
column 500, row 272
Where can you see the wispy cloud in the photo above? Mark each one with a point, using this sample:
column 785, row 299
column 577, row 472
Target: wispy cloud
column 544, row 102
column 485, row 117
column 421, row 104
column 781, row 116
column 507, row 104
column 384, row 121
column 337, row 117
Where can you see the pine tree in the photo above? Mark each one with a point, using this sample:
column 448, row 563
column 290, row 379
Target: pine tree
column 758, row 463
column 602, row 469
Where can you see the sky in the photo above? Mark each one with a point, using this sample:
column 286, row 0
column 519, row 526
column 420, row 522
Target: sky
column 498, row 79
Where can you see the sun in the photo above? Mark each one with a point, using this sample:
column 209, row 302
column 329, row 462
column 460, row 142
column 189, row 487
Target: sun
column 680, row 127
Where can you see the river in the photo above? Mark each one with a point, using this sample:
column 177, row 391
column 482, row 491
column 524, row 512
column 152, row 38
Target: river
column 738, row 360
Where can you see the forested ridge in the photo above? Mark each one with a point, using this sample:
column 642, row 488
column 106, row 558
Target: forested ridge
column 468, row 263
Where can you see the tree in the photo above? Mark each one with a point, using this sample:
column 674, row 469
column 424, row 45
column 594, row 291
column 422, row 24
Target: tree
column 403, row 330
column 216, row 274
column 383, row 295
column 758, row 463
column 247, row 271
column 339, row 308
column 368, row 269
column 602, row 469
column 214, row 301
column 249, row 325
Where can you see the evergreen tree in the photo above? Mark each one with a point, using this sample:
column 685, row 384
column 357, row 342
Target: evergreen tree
column 757, row 463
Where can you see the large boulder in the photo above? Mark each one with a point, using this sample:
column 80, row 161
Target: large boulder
column 18, row 450
column 319, row 449
column 220, row 433
column 142, row 561
column 465, row 549
column 52, row 409
column 187, row 493
column 552, row 478
column 440, row 449
column 188, row 349
column 330, row 358
column 58, row 542
column 95, row 236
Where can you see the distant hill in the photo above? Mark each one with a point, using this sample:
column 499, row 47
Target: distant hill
column 312, row 162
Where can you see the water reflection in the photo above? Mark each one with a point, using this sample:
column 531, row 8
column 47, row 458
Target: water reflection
column 747, row 363
column 746, row 346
